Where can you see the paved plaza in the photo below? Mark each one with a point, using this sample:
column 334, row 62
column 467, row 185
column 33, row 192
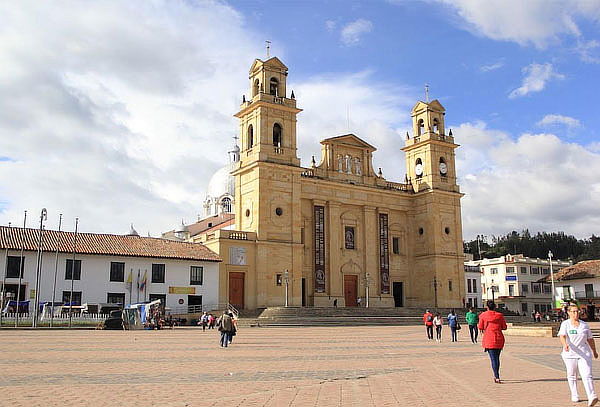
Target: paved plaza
column 338, row 366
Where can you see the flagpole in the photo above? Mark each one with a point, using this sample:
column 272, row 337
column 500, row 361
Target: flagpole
column 21, row 267
column 138, row 286
column 130, row 283
column 38, row 268
column 73, row 273
column 55, row 270
column 4, row 278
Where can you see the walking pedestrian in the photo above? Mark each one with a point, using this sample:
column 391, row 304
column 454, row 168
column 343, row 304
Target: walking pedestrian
column 578, row 347
column 472, row 320
column 492, row 323
column 225, row 327
column 428, row 321
column 438, row 321
column 204, row 321
column 454, row 326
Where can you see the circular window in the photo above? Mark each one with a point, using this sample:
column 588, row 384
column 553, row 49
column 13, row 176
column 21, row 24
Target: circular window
column 421, row 231
column 180, row 301
column 278, row 211
column 447, row 230
column 247, row 212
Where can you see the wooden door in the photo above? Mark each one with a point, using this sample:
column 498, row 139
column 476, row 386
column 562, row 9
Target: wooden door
column 236, row 290
column 350, row 290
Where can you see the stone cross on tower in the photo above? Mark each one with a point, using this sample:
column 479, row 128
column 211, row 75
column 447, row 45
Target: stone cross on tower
column 268, row 48
column 427, row 93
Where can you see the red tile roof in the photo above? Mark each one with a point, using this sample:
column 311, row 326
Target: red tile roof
column 104, row 244
column 583, row 269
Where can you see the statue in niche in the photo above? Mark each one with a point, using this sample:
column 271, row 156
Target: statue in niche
column 357, row 166
column 340, row 160
column 348, row 164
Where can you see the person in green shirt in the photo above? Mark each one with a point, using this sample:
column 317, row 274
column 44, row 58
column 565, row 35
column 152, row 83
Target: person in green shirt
column 472, row 319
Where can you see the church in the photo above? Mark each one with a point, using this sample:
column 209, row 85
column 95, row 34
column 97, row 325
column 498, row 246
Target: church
column 336, row 233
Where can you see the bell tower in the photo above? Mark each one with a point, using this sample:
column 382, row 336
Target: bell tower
column 268, row 116
column 430, row 158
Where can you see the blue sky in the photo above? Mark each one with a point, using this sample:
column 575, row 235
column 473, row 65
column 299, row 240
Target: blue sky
column 119, row 123
column 418, row 42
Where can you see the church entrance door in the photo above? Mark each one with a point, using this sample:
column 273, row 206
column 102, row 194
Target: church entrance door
column 350, row 290
column 398, row 290
column 236, row 290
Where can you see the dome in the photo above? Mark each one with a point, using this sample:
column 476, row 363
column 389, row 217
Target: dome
column 221, row 183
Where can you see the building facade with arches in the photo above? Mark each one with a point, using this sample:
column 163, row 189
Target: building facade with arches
column 337, row 228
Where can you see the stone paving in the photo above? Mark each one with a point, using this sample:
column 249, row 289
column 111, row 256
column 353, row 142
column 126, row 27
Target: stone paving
column 337, row 366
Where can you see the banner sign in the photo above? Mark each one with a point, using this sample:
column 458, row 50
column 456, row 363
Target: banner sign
column 182, row 290
column 319, row 235
column 384, row 254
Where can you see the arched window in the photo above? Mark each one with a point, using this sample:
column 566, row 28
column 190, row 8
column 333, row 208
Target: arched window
column 436, row 126
column 421, row 127
column 277, row 135
column 250, row 137
column 226, row 205
column 274, row 87
column 255, row 88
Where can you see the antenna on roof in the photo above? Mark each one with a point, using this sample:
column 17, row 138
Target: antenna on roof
column 268, row 48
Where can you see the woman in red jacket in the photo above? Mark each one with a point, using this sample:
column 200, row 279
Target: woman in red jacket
column 492, row 323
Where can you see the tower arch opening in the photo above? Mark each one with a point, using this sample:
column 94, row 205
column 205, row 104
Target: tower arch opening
column 274, row 87
column 420, row 127
column 277, row 135
column 255, row 88
column 250, row 141
column 436, row 126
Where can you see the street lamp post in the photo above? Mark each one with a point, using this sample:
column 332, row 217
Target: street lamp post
column 286, row 277
column 552, row 278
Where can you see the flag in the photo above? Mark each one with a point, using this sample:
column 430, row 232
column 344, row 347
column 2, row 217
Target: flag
column 143, row 283
column 130, row 280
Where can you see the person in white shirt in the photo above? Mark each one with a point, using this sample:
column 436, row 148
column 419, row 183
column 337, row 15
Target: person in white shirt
column 438, row 322
column 578, row 347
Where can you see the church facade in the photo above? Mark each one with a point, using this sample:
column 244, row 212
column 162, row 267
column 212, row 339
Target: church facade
column 337, row 231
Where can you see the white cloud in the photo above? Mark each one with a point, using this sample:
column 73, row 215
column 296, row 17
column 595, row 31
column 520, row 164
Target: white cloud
column 377, row 112
column 492, row 67
column 535, row 80
column 532, row 22
column 352, row 32
column 589, row 51
column 330, row 25
column 554, row 119
column 536, row 181
column 112, row 121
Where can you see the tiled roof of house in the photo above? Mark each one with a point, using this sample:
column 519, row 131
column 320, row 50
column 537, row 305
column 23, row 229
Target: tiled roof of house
column 104, row 244
column 205, row 225
column 583, row 269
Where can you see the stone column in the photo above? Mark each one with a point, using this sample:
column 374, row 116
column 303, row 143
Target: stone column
column 371, row 245
column 332, row 249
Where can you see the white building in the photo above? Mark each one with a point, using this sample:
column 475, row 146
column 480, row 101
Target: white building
column 513, row 282
column 473, row 287
column 579, row 282
column 108, row 268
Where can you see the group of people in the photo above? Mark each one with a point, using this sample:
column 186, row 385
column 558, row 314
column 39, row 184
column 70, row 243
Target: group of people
column 436, row 321
column 207, row 321
column 578, row 346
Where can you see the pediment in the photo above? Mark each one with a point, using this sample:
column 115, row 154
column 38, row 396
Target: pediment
column 272, row 62
column 433, row 105
column 349, row 140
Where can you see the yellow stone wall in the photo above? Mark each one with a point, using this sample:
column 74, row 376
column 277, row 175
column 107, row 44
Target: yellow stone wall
column 275, row 197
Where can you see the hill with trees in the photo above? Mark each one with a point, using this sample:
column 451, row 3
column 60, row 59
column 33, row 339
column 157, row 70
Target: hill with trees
column 563, row 246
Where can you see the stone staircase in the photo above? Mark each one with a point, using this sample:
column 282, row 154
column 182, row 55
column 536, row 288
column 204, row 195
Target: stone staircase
column 351, row 316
